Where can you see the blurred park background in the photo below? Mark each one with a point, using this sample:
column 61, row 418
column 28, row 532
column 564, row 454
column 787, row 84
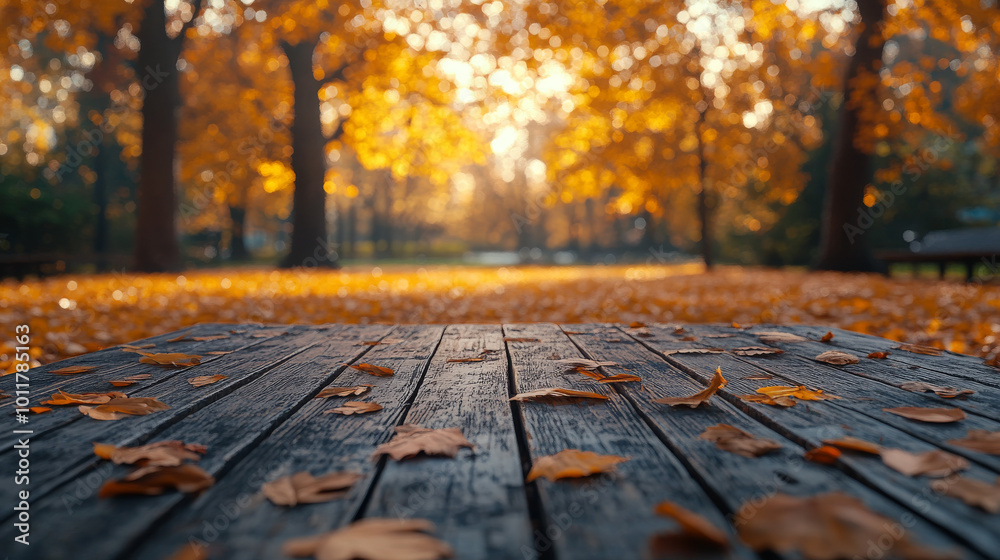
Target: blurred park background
column 163, row 161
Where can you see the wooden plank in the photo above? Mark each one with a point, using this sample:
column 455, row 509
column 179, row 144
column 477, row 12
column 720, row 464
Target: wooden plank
column 985, row 402
column 113, row 363
column 63, row 453
column 230, row 428
column 870, row 397
column 477, row 500
column 808, row 424
column 952, row 364
column 235, row 520
column 733, row 480
column 587, row 518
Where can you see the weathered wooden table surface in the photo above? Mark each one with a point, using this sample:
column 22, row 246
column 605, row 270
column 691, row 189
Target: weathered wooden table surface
column 263, row 421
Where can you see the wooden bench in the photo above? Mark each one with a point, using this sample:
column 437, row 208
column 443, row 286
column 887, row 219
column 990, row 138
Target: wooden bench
column 263, row 421
column 967, row 246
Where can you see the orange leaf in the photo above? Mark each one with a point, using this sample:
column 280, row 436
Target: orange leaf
column 764, row 399
column 799, row 392
column 824, row 455
column 203, row 380
column 620, row 378
column 160, row 454
column 377, row 371
column 717, row 382
column 116, row 409
column 40, row 409
column 936, row 415
column 74, row 369
column 572, row 463
column 693, row 528
column 62, row 398
column 121, row 382
column 854, row 444
column 343, row 391
column 827, row 337
column 878, row 355
column 174, row 359
column 465, row 360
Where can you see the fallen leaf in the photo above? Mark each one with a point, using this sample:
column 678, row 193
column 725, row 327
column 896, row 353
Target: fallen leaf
column 935, row 463
column 121, row 382
column 513, row 339
column 40, row 409
column 136, row 347
column 304, row 488
column 160, row 454
column 982, row 441
column 620, row 378
column 371, row 343
column 878, row 355
column 572, row 463
column 343, row 391
column 591, row 374
column 174, row 359
column 577, row 364
column 71, row 370
column 377, row 371
column 178, row 338
column 837, row 358
column 209, row 337
column 946, row 392
column 758, row 377
column 203, row 380
column 799, row 392
column 116, row 409
column 827, row 337
column 373, row 539
column 757, row 351
column 62, row 398
column 717, row 382
column 734, row 440
column 937, row 415
column 822, row 527
column 555, row 394
column 973, row 492
column 854, row 444
column 219, row 352
column 153, row 481
column 764, row 399
column 411, row 440
column 921, row 349
column 824, row 455
column 696, row 532
column 695, row 351
column 688, row 339
column 464, row 360
column 354, row 407
column 774, row 337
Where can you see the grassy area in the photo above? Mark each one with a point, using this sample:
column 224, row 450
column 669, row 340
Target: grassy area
column 73, row 314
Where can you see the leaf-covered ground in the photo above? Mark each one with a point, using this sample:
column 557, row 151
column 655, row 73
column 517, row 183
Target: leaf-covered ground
column 70, row 315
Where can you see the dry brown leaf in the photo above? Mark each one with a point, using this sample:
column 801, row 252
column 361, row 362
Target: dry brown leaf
column 591, row 374
column 160, row 454
column 203, row 380
column 688, row 338
column 696, row 533
column 620, row 378
column 121, row 382
column 854, row 444
column 695, row 351
column 757, row 351
column 412, row 440
column 209, row 337
column 973, row 492
column 758, row 377
column 764, row 399
column 640, row 325
column 717, row 382
column 370, row 343
column 153, row 481
column 127, row 347
column 373, row 539
column 573, row 463
column 822, row 527
column 824, row 455
column 837, row 358
column 178, row 338
column 174, row 359
column 514, row 339
column 465, row 360
column 71, row 370
column 734, row 440
column 945, row 392
column 878, row 355
column 354, row 407
column 304, row 488
column 936, row 415
column 827, row 337
column 774, row 337
column 934, row 463
column 921, row 349
column 40, row 409
column 116, row 409
column 62, row 398
column 555, row 394
column 377, row 371
column 982, row 441
column 577, row 364
column 799, row 392
column 343, row 391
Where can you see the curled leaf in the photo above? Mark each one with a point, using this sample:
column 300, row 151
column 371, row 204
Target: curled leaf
column 837, row 358
column 160, row 454
column 555, row 394
column 343, row 391
column 824, row 455
column 377, row 371
column 696, row 532
column 827, row 337
column 945, row 392
column 174, row 359
column 936, row 415
column 717, row 382
column 878, row 355
column 734, row 440
column 72, row 370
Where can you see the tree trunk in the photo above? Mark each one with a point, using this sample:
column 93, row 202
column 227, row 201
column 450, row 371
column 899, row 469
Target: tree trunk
column 843, row 242
column 309, row 241
column 156, row 246
column 704, row 213
column 238, row 248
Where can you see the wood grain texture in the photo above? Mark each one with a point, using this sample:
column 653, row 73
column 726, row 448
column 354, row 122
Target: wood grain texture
column 578, row 513
column 236, row 521
column 732, row 480
column 808, row 423
column 477, row 500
